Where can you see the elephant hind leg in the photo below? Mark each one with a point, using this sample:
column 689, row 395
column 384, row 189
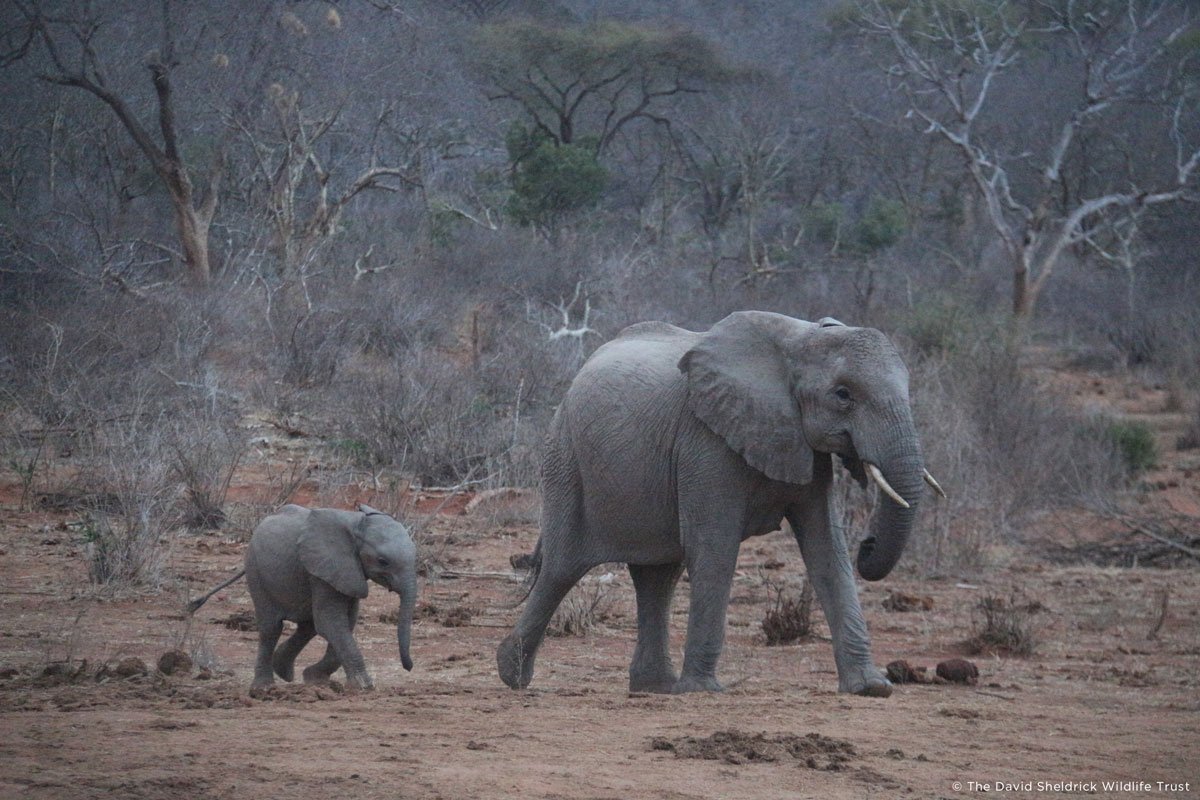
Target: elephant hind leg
column 270, row 626
column 284, row 659
column 651, row 669
column 562, row 561
column 516, row 654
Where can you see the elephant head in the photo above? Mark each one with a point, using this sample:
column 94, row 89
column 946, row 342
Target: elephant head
column 778, row 390
column 374, row 547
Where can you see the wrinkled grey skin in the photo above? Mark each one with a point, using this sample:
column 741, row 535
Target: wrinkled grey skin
column 672, row 447
column 311, row 566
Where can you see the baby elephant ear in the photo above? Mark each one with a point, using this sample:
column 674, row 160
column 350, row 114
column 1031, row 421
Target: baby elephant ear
column 739, row 385
column 328, row 551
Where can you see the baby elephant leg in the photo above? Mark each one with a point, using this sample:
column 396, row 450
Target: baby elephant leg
column 321, row 671
column 284, row 659
column 270, row 626
column 334, row 615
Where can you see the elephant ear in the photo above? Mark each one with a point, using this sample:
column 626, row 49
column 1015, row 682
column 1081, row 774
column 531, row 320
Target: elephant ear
column 739, row 385
column 329, row 551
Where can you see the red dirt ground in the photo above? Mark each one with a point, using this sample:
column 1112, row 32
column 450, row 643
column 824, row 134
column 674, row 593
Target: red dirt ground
column 1098, row 701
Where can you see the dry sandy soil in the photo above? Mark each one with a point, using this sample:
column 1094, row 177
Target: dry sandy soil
column 1101, row 699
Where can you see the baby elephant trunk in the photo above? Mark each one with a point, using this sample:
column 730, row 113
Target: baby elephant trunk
column 408, row 601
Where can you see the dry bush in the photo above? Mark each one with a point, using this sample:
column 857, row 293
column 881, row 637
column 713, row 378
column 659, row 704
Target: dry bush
column 1006, row 625
column 24, row 450
column 206, row 448
column 312, row 348
column 585, row 607
column 425, row 415
column 1190, row 439
column 127, row 544
column 1006, row 452
column 789, row 619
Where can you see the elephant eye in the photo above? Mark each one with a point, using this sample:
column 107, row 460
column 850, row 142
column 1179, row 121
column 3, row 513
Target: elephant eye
column 842, row 393
column 383, row 562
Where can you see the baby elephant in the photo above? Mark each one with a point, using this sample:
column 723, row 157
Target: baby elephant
column 311, row 566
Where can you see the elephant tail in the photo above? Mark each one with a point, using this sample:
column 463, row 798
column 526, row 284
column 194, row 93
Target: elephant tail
column 534, row 563
column 194, row 606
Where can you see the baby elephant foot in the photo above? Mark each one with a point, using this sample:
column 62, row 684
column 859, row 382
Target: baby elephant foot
column 516, row 670
column 868, row 682
column 284, row 667
column 359, row 683
column 262, row 683
column 315, row 674
column 693, row 683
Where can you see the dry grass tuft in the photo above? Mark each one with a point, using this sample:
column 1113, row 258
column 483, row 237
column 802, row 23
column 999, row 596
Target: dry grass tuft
column 1006, row 626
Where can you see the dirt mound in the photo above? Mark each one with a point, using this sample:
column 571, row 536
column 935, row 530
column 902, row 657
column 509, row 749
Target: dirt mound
column 299, row 692
column 238, row 621
column 85, row 689
column 902, row 602
column 734, row 747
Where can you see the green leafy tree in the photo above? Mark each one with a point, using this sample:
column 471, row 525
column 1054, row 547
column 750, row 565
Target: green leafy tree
column 551, row 179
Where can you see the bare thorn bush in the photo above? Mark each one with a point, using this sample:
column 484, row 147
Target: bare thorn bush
column 583, row 609
column 789, row 618
column 127, row 544
column 206, row 448
column 1190, row 440
column 1006, row 451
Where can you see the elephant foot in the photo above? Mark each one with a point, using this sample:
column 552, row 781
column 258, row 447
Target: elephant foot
column 866, row 683
column 656, row 682
column 261, row 684
column 359, row 684
column 516, row 670
column 693, row 683
column 284, row 668
column 314, row 675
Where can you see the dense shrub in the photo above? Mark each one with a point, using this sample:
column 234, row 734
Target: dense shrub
column 551, row 180
column 1135, row 442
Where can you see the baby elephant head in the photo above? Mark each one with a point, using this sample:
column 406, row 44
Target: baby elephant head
column 344, row 549
column 389, row 557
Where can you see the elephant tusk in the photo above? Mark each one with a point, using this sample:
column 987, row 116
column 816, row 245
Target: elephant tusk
column 936, row 486
column 885, row 486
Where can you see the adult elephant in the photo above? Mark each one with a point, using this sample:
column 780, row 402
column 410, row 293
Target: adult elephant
column 672, row 447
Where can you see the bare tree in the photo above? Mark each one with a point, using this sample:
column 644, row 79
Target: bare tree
column 74, row 60
column 736, row 162
column 593, row 80
column 953, row 56
column 304, row 207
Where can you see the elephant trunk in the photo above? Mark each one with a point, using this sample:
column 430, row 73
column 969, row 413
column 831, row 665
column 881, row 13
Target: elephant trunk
column 902, row 468
column 408, row 601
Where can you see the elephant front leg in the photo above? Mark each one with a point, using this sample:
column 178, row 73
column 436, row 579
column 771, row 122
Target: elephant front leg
column 333, row 613
column 329, row 663
column 831, row 574
column 651, row 670
column 711, row 560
